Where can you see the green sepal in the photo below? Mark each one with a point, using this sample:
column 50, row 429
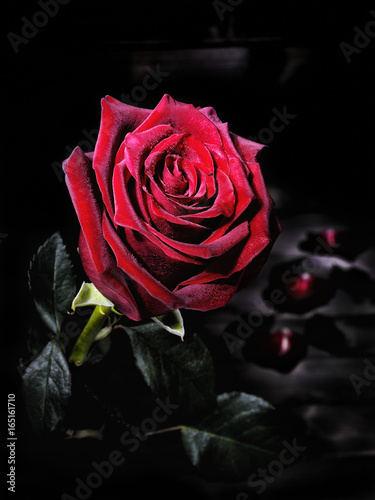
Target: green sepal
column 89, row 295
column 172, row 322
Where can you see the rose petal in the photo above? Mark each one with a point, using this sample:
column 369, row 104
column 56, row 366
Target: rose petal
column 204, row 297
column 96, row 255
column 243, row 195
column 128, row 196
column 160, row 212
column 129, row 264
column 162, row 198
column 262, row 233
column 173, row 226
column 202, row 187
column 126, row 216
column 170, row 145
column 183, row 118
column 139, row 146
column 233, row 143
column 81, row 185
column 264, row 229
column 111, row 283
column 117, row 119
column 251, row 272
column 224, row 203
column 246, row 148
column 173, row 179
column 197, row 152
column 169, row 271
column 210, row 250
column 220, row 158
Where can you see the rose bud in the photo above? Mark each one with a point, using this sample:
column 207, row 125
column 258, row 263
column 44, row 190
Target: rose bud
column 281, row 349
column 343, row 242
column 302, row 291
column 173, row 208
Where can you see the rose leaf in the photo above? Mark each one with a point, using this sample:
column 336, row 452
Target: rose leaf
column 52, row 282
column 46, row 388
column 183, row 371
column 240, row 436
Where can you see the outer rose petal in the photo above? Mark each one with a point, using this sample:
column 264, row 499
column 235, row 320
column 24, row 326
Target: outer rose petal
column 96, row 255
column 246, row 148
column 251, row 272
column 207, row 296
column 134, row 269
column 112, row 283
column 233, row 143
column 117, row 120
column 86, row 200
column 262, row 226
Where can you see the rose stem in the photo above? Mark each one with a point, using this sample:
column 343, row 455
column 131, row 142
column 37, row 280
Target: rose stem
column 88, row 335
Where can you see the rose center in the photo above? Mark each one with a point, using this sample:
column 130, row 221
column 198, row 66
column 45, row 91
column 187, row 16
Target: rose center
column 173, row 178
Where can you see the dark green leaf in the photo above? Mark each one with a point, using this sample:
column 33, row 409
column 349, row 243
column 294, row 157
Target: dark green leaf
column 181, row 370
column 46, row 387
column 238, row 437
column 52, row 282
column 36, row 339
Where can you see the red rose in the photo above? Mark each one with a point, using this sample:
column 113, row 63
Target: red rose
column 173, row 208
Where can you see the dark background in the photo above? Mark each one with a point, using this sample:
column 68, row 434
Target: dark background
column 263, row 55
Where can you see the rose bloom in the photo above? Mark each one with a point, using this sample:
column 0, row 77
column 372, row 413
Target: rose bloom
column 173, row 208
